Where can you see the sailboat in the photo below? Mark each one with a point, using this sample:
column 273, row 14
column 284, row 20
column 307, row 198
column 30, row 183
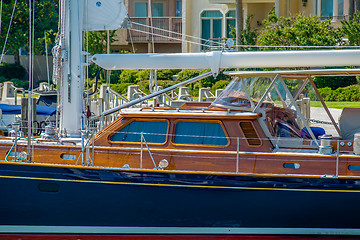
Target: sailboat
column 248, row 165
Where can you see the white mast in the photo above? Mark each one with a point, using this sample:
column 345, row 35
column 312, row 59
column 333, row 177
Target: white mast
column 76, row 18
column 73, row 74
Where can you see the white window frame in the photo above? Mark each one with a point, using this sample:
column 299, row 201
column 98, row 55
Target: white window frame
column 226, row 18
column 211, row 23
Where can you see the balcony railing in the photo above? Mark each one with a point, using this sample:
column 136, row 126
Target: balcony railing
column 141, row 32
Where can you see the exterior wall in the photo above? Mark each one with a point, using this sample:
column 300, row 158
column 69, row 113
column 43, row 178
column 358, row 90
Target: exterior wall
column 143, row 47
column 141, row 42
column 192, row 21
column 260, row 12
column 289, row 8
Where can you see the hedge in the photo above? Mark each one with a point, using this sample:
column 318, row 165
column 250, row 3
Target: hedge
column 348, row 94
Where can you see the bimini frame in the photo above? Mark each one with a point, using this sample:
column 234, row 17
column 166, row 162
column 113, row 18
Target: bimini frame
column 303, row 74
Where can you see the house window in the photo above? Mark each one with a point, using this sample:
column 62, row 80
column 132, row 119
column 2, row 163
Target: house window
column 141, row 9
column 200, row 133
column 158, row 9
column 153, row 132
column 178, row 8
column 327, row 10
column 211, row 27
column 230, row 23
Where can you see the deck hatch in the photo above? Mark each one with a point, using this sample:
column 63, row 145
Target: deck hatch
column 250, row 133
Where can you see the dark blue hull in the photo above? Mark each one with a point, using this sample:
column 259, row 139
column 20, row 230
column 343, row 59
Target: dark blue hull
column 77, row 200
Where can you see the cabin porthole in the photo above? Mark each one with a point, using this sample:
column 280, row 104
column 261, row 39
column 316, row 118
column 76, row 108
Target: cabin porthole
column 354, row 167
column 68, row 156
column 292, row 165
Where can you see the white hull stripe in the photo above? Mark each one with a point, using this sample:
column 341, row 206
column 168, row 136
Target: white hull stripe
column 16, row 229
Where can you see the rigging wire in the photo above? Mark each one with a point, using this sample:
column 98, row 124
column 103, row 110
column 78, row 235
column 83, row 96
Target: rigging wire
column 172, row 38
column 7, row 34
column 222, row 44
column 177, row 33
column 1, row 7
column 29, row 109
column 131, row 40
column 327, row 47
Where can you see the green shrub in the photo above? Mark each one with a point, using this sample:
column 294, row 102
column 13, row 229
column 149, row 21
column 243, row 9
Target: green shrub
column 220, row 85
column 10, row 71
column 167, row 74
column 128, row 76
column 348, row 94
column 115, row 76
column 334, row 82
column 120, row 88
column 3, row 79
column 166, row 83
column 20, row 83
column 187, row 74
column 143, row 75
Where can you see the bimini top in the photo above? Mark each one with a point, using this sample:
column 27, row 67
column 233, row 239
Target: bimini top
column 309, row 72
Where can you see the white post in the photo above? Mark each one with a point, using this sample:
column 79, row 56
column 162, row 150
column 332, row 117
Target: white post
column 335, row 10
column 72, row 91
column 277, row 6
column 346, row 9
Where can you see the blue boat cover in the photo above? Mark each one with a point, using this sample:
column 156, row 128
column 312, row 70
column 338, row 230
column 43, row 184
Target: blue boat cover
column 16, row 109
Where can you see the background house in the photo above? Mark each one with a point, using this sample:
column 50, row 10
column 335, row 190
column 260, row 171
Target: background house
column 336, row 10
column 210, row 21
column 164, row 14
column 199, row 25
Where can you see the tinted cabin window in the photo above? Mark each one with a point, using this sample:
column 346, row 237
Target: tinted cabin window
column 154, row 132
column 250, row 134
column 202, row 133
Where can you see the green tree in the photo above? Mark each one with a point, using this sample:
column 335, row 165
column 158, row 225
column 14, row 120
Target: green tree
column 351, row 29
column 298, row 31
column 248, row 34
column 46, row 19
column 97, row 41
column 334, row 82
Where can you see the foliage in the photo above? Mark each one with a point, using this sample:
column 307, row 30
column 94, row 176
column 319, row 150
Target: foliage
column 46, row 19
column 166, row 83
column 9, row 71
column 187, row 74
column 220, row 85
column 350, row 93
column 167, row 74
column 121, row 88
column 128, row 76
column 97, row 41
column 20, row 83
column 351, row 29
column 203, row 83
column 248, row 34
column 50, row 42
column 298, row 31
column 115, row 76
column 334, row 82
